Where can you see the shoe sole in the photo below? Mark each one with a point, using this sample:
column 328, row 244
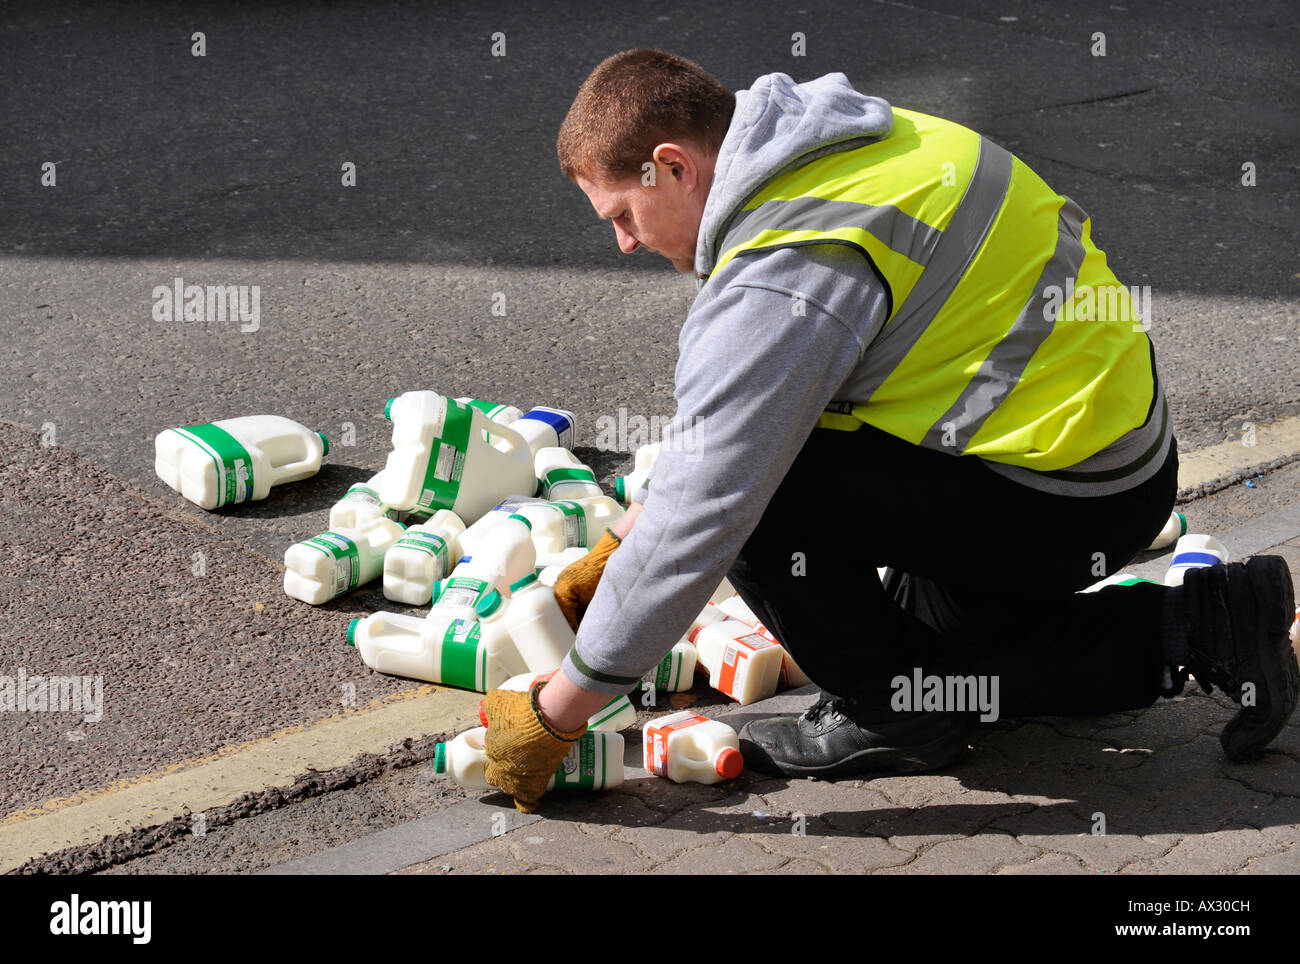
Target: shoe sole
column 917, row 759
column 1248, row 734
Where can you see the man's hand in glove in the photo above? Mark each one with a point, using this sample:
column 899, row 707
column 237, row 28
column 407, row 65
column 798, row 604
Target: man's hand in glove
column 528, row 734
column 523, row 750
column 577, row 583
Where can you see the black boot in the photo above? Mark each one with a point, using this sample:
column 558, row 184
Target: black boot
column 835, row 738
column 1238, row 617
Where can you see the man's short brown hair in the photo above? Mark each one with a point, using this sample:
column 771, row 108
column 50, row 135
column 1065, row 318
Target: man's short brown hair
column 634, row 101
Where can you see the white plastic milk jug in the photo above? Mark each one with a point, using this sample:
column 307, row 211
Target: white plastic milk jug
column 442, row 458
column 791, row 674
column 688, row 748
column 501, row 414
column 562, row 476
column 1193, row 552
column 360, row 504
column 570, row 523
column 537, row 625
column 423, row 555
column 1174, row 530
column 552, row 566
column 474, row 534
column 338, row 561
column 495, row 634
column 1119, row 579
column 675, row 672
column 742, row 662
column 595, row 761
column 505, row 556
column 236, row 459
column 711, row 613
column 626, row 486
column 543, row 427
column 453, row 652
column 735, row 608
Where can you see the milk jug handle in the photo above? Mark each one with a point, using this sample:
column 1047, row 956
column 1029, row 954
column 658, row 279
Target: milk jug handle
column 497, row 430
column 293, row 467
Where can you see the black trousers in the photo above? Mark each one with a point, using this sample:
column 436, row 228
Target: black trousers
column 984, row 577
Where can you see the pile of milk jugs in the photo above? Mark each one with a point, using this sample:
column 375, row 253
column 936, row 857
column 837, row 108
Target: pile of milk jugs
column 477, row 510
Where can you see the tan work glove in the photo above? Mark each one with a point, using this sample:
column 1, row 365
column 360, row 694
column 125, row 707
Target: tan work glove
column 523, row 752
column 577, row 583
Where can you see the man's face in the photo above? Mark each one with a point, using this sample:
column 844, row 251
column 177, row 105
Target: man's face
column 663, row 217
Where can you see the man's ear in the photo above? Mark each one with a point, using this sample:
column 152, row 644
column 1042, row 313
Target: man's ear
column 678, row 159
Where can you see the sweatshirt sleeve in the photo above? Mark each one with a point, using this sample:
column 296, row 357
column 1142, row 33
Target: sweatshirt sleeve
column 764, row 348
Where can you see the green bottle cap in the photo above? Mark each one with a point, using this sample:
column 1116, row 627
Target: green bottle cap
column 1182, row 524
column 489, row 604
column 388, row 409
column 528, row 580
column 618, row 489
column 352, row 632
column 516, row 515
column 440, row 758
column 404, row 526
column 437, row 588
column 325, row 442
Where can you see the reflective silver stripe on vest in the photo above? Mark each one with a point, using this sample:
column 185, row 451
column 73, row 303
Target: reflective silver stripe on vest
column 1002, row 367
column 961, row 241
column 896, row 230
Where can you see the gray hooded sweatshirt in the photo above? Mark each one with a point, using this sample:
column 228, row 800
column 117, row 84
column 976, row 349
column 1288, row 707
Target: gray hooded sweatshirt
column 770, row 341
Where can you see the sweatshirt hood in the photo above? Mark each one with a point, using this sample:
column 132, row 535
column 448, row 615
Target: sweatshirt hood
column 778, row 125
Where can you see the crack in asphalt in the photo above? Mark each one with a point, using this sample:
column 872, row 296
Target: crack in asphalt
column 1104, row 98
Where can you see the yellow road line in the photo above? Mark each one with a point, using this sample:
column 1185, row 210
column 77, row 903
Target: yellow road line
column 1272, row 441
column 214, row 781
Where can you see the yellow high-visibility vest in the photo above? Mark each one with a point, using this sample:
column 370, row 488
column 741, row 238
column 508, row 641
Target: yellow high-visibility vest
column 1008, row 337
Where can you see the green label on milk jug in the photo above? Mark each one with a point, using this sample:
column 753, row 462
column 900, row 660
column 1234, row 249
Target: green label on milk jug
column 575, row 522
column 669, row 671
column 556, row 476
column 462, row 591
column 430, row 545
column 234, row 464
column 584, row 766
column 363, row 494
column 343, row 552
column 608, row 711
column 490, row 409
column 447, row 459
column 463, row 660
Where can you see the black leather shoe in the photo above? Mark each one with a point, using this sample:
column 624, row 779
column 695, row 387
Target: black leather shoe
column 1238, row 617
column 826, row 742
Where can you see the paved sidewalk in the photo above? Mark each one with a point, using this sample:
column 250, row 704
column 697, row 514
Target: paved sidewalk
column 1142, row 792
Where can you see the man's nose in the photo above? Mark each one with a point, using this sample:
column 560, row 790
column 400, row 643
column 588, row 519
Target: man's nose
column 626, row 243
